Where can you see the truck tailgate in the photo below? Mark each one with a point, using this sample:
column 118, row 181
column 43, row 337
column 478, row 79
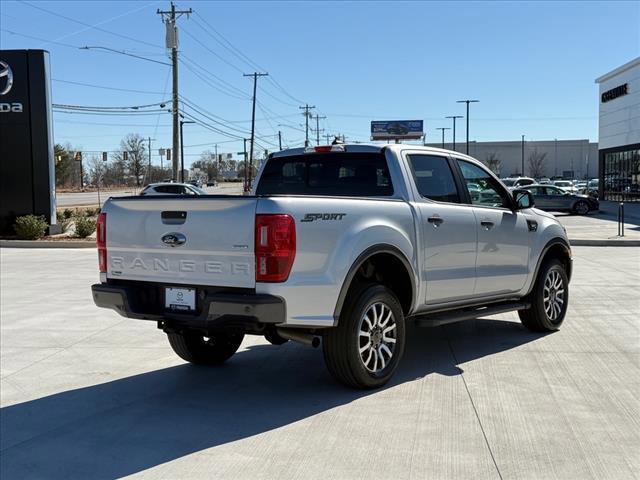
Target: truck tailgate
column 178, row 240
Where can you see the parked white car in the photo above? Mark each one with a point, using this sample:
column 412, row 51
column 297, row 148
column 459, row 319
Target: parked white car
column 517, row 182
column 340, row 245
column 566, row 185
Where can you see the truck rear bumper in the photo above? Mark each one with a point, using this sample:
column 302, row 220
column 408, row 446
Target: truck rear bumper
column 223, row 311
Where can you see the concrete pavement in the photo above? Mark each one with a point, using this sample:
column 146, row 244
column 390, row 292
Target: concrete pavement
column 88, row 394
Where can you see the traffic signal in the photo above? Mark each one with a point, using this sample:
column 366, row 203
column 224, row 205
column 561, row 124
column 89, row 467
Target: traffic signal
column 125, row 156
column 168, row 154
column 104, row 156
column 78, row 157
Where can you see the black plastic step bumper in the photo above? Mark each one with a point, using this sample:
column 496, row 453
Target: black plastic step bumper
column 223, row 310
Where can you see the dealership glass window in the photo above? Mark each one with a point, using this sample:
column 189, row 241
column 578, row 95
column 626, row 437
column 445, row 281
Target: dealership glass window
column 622, row 176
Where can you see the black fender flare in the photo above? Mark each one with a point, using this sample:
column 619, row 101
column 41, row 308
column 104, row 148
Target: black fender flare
column 550, row 244
column 360, row 260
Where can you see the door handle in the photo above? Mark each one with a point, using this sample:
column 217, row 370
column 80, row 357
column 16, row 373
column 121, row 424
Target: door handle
column 487, row 224
column 435, row 220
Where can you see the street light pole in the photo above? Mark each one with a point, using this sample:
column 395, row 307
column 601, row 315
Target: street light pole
column 182, row 122
column 522, row 156
column 467, row 102
column 454, row 129
column 443, row 129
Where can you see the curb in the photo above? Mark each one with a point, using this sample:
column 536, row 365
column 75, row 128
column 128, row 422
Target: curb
column 47, row 244
column 603, row 243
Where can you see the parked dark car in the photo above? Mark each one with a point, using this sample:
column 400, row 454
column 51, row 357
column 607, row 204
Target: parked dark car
column 555, row 199
column 212, row 183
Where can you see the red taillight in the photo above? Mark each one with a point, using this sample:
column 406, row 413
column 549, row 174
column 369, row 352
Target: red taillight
column 101, row 241
column 275, row 247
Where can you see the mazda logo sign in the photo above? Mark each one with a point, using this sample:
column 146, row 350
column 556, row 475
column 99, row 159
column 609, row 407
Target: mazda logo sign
column 174, row 239
column 6, row 78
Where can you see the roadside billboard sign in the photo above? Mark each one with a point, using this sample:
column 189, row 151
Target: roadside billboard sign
column 397, row 129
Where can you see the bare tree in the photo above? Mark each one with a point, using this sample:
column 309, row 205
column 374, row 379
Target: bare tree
column 130, row 167
column 536, row 163
column 493, row 162
column 95, row 170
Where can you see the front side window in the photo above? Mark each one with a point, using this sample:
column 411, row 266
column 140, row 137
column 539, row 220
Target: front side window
column 491, row 193
column 434, row 178
column 555, row 191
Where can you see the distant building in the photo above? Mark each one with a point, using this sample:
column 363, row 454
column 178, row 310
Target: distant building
column 229, row 175
column 562, row 158
column 619, row 132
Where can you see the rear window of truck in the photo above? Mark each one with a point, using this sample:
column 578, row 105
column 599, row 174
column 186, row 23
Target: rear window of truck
column 327, row 174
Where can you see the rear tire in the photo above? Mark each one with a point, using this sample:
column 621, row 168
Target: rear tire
column 549, row 299
column 196, row 348
column 581, row 208
column 364, row 350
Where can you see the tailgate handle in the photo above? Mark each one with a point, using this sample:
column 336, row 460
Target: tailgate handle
column 173, row 218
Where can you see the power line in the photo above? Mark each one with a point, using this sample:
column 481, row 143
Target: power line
column 212, row 52
column 212, row 119
column 55, row 14
column 133, row 107
column 39, row 39
column 215, row 82
column 105, row 87
column 242, row 57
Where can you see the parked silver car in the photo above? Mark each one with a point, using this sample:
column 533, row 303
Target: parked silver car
column 172, row 189
column 556, row 199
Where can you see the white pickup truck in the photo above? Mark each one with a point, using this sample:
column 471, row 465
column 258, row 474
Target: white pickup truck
column 340, row 245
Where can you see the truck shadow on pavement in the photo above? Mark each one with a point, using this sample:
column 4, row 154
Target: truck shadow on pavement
column 132, row 424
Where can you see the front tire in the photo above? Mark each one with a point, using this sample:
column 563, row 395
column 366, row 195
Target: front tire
column 196, row 348
column 581, row 208
column 549, row 299
column 364, row 350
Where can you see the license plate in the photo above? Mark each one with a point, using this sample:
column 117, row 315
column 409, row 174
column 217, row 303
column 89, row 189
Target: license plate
column 180, row 299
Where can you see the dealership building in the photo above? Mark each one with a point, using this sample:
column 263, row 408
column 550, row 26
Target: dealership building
column 560, row 158
column 619, row 133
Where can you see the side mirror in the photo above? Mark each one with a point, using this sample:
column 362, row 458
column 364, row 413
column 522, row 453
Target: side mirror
column 523, row 199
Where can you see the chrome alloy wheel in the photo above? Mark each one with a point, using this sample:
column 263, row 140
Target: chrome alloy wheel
column 553, row 297
column 582, row 208
column 377, row 337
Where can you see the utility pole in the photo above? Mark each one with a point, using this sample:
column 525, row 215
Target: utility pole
column 244, row 154
column 522, row 156
column 555, row 158
column 149, row 176
column 443, row 129
column 454, row 117
column 306, row 109
column 169, row 18
column 280, row 140
column 328, row 137
column 318, row 118
column 467, row 102
column 255, row 76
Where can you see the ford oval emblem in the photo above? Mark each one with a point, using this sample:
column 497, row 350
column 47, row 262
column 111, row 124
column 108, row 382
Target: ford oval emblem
column 174, row 239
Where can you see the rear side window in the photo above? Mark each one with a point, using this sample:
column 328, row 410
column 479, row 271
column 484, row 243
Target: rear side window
column 331, row 174
column 173, row 189
column 434, row 178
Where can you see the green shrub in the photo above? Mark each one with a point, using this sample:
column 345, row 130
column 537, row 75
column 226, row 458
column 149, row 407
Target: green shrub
column 30, row 227
column 67, row 213
column 84, row 226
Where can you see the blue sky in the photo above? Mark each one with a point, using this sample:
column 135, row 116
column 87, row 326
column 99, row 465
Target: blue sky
column 532, row 65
